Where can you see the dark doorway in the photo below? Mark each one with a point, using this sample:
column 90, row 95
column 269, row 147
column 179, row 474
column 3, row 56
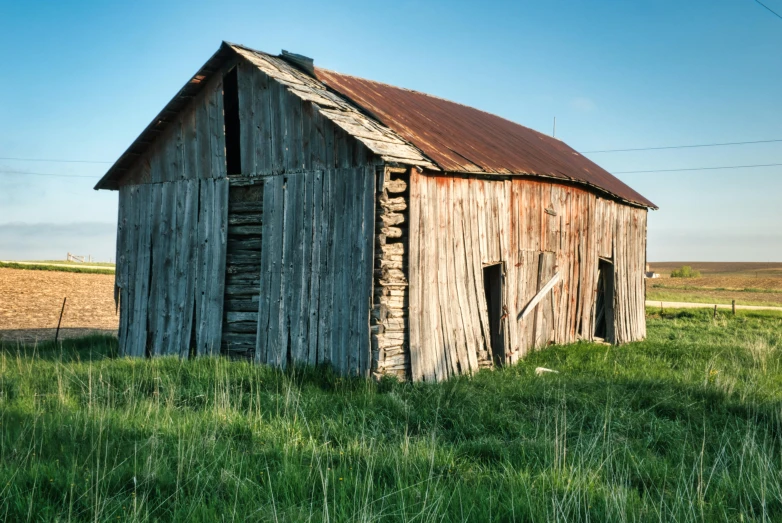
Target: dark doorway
column 604, row 301
column 492, row 287
column 233, row 155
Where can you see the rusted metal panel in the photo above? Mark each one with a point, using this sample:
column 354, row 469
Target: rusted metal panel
column 401, row 126
column 463, row 139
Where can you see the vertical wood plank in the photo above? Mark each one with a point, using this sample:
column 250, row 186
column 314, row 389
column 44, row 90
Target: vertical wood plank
column 270, row 265
column 276, row 233
column 216, row 131
column 415, row 280
column 124, row 239
column 263, row 123
column 317, row 225
column 295, row 240
column 464, row 279
column 142, row 273
column 367, row 261
column 326, row 276
column 187, row 205
column 249, row 134
column 212, row 223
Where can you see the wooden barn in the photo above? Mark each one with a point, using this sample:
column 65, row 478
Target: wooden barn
column 294, row 215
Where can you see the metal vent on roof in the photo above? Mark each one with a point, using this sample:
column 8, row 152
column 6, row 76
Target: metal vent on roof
column 303, row 62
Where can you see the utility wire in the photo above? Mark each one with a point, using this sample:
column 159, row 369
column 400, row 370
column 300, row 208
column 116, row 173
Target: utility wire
column 51, row 160
column 679, row 146
column 769, row 9
column 701, row 168
column 614, row 172
column 51, row 174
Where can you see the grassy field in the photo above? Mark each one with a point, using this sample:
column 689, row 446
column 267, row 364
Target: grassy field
column 721, row 282
column 695, row 294
column 686, row 426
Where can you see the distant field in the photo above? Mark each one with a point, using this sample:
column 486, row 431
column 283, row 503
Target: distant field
column 758, row 270
column 65, row 262
column 747, row 283
column 102, row 268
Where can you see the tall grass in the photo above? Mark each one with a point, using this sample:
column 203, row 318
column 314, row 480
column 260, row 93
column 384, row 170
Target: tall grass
column 682, row 427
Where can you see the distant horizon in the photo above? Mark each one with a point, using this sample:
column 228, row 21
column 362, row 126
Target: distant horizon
column 718, row 261
column 20, row 241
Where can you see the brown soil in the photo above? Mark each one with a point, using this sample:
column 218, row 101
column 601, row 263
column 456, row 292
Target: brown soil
column 30, row 303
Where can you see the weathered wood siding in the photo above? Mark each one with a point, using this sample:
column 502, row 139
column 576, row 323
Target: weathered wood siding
column 170, row 267
column 281, row 133
column 314, row 185
column 191, row 146
column 316, row 269
column 171, row 236
column 534, row 229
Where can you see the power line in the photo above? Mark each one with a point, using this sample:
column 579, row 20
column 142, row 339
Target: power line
column 50, row 174
column 769, row 9
column 701, row 168
column 680, row 146
column 689, row 146
column 51, row 160
column 614, row 172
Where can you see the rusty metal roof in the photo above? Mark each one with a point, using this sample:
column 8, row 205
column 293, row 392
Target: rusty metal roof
column 462, row 139
column 402, row 126
column 378, row 138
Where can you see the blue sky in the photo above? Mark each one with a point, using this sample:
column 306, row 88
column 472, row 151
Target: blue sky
column 82, row 79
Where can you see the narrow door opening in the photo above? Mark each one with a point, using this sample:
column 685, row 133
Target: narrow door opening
column 604, row 301
column 492, row 287
column 233, row 155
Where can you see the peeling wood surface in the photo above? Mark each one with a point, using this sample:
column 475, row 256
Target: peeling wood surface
column 536, row 229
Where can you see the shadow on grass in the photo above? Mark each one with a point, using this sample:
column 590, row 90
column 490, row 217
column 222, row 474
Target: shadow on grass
column 86, row 348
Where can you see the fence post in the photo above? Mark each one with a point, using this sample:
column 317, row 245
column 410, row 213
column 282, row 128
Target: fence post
column 734, row 307
column 715, row 312
column 57, row 334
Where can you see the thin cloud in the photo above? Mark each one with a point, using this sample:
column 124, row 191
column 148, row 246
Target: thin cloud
column 52, row 241
column 583, row 104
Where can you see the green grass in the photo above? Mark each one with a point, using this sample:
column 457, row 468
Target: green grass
column 58, row 268
column 685, row 426
column 763, row 297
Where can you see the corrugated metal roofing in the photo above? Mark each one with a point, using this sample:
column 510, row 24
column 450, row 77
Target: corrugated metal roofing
column 463, row 139
column 380, row 139
column 403, row 126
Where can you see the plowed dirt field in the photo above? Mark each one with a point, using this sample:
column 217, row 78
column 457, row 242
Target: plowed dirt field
column 30, row 303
